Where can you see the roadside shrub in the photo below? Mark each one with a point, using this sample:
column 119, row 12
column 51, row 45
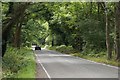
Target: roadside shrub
column 61, row 48
column 13, row 61
column 46, row 46
column 96, row 55
column 65, row 49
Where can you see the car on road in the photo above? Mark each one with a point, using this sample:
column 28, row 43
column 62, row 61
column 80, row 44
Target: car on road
column 35, row 47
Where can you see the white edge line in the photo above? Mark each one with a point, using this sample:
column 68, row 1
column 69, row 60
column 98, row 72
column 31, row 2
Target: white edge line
column 99, row 63
column 44, row 68
column 90, row 60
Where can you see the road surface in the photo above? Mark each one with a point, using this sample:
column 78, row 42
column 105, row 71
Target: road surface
column 57, row 65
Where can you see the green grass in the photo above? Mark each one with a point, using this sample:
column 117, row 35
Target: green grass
column 0, row 68
column 100, row 59
column 29, row 70
column 0, row 72
column 19, row 63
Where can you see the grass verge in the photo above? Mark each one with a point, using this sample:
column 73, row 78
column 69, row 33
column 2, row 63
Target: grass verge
column 99, row 59
column 19, row 63
column 29, row 70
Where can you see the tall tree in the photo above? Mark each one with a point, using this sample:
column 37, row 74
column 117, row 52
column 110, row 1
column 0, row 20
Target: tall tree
column 109, row 50
column 117, row 29
column 19, row 10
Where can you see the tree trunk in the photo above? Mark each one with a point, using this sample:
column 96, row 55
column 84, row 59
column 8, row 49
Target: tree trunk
column 7, row 26
column 18, row 32
column 17, row 36
column 117, row 30
column 108, row 45
column 52, row 39
column 6, row 32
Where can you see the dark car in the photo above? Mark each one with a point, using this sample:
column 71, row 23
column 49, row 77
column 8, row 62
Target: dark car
column 37, row 47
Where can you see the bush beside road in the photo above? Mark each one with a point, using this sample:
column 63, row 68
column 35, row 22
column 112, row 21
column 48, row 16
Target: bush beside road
column 19, row 63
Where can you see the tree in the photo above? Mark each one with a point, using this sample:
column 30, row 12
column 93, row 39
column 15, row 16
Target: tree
column 117, row 29
column 17, row 35
column 109, row 50
column 14, row 17
column 84, row 26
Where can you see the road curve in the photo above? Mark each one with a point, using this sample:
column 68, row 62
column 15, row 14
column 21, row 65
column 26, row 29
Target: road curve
column 57, row 65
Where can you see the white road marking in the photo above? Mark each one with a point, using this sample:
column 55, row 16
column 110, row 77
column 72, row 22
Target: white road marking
column 90, row 60
column 78, row 58
column 99, row 63
column 44, row 68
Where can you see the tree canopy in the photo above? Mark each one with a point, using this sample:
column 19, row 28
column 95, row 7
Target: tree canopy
column 86, row 26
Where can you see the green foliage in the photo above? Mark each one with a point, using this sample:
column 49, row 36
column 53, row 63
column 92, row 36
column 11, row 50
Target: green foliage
column 93, row 34
column 80, row 25
column 58, row 40
column 29, row 70
column 63, row 49
column 77, row 25
column 10, row 60
column 71, row 27
column 37, row 35
column 4, row 10
column 101, row 59
column 15, row 60
column 48, row 40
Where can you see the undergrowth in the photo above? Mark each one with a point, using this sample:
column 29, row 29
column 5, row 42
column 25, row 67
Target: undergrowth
column 18, row 63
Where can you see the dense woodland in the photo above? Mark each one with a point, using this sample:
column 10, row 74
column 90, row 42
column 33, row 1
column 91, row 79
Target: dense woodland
column 86, row 26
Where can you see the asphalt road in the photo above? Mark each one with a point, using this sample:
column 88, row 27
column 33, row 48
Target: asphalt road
column 57, row 65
